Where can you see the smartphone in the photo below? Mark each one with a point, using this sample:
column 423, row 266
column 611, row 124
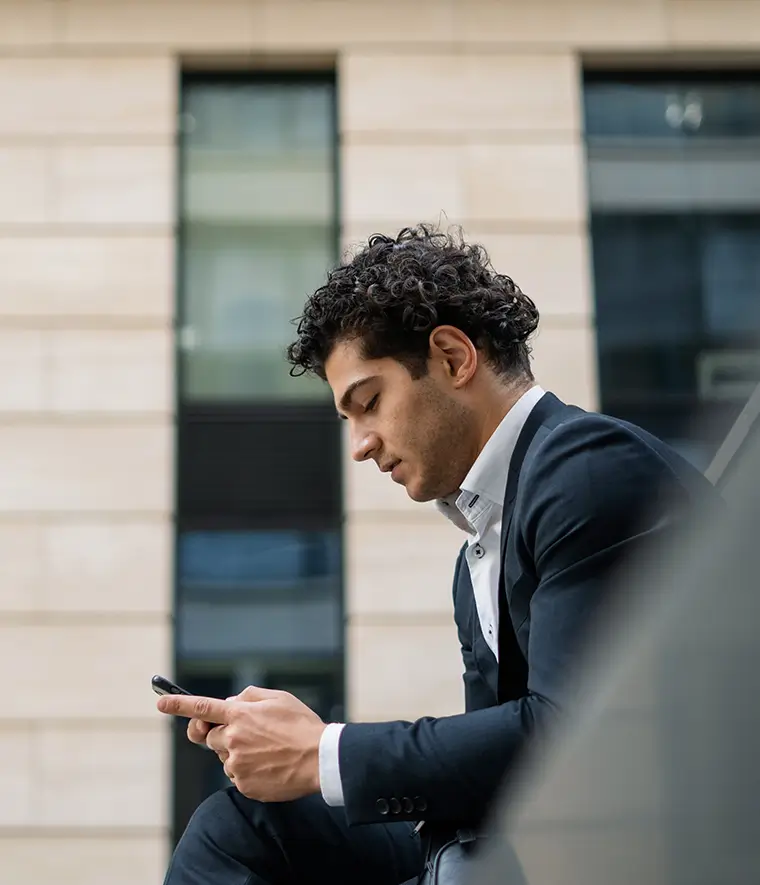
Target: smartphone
column 162, row 685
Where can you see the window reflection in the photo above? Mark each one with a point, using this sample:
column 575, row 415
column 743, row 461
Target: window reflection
column 262, row 593
column 258, row 562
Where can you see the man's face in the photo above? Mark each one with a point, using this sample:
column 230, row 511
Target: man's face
column 419, row 431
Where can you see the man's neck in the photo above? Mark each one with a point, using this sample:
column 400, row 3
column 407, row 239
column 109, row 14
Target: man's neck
column 500, row 402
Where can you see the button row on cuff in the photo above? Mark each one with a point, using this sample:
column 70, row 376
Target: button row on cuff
column 396, row 806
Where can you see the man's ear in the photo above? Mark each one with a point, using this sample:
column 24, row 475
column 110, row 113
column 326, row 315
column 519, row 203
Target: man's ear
column 454, row 351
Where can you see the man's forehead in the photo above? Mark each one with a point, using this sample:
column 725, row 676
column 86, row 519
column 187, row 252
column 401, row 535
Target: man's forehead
column 346, row 364
column 344, row 355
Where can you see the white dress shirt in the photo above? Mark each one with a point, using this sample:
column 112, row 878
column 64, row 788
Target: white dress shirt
column 476, row 509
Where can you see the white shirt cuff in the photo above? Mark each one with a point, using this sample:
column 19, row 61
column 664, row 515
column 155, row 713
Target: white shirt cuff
column 329, row 765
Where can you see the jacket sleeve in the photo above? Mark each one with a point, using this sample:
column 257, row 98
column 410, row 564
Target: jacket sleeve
column 593, row 493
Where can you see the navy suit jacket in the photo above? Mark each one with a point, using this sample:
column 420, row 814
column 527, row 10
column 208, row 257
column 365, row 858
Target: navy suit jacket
column 584, row 491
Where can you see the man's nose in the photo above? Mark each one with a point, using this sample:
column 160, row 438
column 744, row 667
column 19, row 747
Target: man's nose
column 363, row 445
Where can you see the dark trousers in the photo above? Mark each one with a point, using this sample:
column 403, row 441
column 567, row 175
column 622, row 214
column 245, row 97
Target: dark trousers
column 231, row 840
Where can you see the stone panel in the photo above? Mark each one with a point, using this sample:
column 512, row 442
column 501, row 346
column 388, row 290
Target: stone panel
column 83, row 671
column 16, row 773
column 27, row 23
column 403, row 671
column 103, row 567
column 116, row 371
column 327, row 25
column 384, row 183
column 714, row 24
column 582, row 24
column 22, row 566
column 179, row 25
column 114, row 185
column 397, row 567
column 87, row 96
column 79, row 468
column 23, row 375
column 458, row 93
column 24, row 185
column 84, row 860
column 539, row 183
column 125, row 277
column 101, row 776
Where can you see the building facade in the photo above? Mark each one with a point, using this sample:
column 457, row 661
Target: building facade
column 113, row 207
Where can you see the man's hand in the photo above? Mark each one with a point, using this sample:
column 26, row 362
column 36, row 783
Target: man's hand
column 267, row 740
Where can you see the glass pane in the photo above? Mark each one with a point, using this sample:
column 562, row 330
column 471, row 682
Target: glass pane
column 731, row 275
column 644, row 179
column 258, row 593
column 675, row 110
column 678, row 316
column 259, row 232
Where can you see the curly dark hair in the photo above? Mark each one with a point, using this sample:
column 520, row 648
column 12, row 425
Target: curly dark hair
column 394, row 292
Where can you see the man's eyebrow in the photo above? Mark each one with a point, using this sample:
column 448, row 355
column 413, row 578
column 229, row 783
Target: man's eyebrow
column 345, row 400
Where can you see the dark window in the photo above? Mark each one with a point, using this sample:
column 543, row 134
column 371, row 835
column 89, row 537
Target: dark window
column 259, row 498
column 674, row 182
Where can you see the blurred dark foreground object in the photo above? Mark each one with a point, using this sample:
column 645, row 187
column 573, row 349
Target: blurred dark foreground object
column 449, row 861
column 658, row 780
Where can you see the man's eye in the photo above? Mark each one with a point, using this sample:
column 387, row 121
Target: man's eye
column 372, row 403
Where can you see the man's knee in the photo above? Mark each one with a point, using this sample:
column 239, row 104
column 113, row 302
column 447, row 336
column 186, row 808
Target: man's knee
column 218, row 818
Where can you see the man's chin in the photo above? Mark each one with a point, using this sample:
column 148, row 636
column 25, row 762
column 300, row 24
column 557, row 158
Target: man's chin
column 418, row 495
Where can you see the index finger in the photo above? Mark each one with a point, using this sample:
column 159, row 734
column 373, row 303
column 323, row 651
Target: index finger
column 207, row 709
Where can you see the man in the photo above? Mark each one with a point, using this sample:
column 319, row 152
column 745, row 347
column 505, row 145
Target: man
column 426, row 351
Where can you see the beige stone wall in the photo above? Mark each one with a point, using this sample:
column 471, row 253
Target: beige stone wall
column 466, row 110
column 86, row 450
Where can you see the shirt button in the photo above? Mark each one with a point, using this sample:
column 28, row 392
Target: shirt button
column 478, row 551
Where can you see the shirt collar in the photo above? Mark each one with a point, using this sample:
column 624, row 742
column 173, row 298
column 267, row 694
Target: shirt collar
column 487, row 478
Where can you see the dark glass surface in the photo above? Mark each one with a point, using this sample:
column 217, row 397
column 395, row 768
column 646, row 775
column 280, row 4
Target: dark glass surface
column 676, row 108
column 678, row 313
column 267, row 467
column 675, row 227
column 260, row 563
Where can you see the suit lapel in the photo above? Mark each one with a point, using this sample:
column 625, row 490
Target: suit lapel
column 547, row 407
